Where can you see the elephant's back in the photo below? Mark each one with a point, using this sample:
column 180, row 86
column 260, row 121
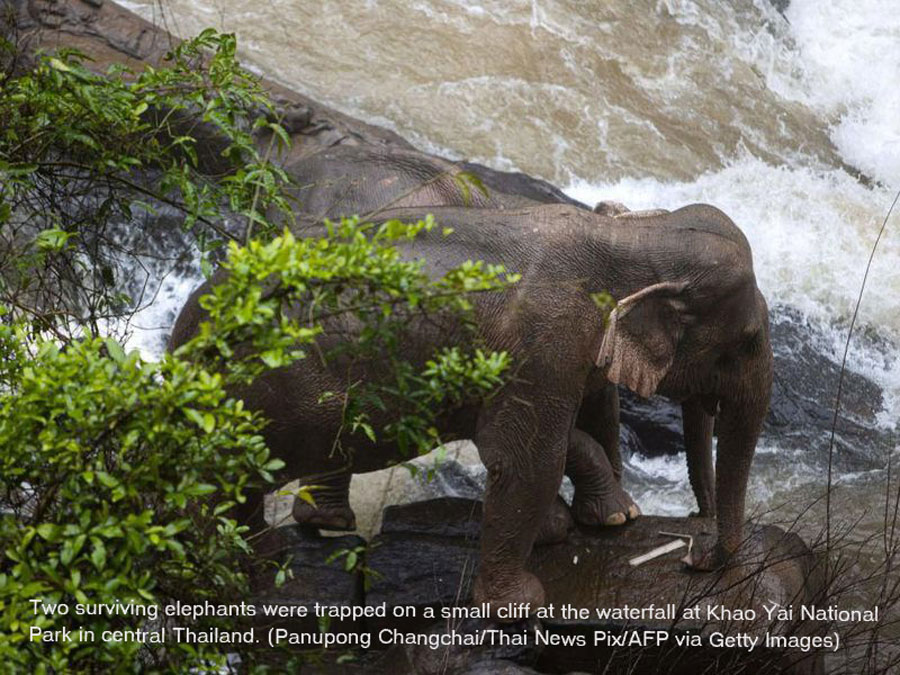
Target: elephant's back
column 706, row 219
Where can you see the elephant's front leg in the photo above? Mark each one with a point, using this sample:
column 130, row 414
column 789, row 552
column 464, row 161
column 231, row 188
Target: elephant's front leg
column 599, row 497
column 698, row 432
column 739, row 427
column 523, row 446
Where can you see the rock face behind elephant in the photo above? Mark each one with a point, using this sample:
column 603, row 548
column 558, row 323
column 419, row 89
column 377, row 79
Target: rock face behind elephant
column 689, row 323
column 359, row 180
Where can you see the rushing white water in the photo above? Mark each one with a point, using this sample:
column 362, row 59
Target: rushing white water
column 655, row 103
column 850, row 53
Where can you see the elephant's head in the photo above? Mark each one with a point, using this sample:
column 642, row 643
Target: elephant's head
column 697, row 326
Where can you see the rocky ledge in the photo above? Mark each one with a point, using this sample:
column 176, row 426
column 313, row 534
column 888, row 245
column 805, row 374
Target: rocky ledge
column 607, row 614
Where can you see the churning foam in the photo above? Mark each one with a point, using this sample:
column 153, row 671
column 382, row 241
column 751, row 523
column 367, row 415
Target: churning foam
column 812, row 229
column 850, row 55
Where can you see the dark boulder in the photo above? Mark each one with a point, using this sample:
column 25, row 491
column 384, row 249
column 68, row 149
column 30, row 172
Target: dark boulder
column 804, row 393
column 650, row 426
column 317, row 574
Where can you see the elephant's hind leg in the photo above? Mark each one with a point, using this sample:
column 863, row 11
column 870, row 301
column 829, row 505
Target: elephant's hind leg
column 599, row 499
column 330, row 493
column 599, row 417
column 555, row 525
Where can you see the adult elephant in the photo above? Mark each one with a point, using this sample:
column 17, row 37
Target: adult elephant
column 689, row 323
column 358, row 179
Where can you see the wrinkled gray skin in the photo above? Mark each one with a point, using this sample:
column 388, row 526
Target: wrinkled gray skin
column 347, row 180
column 601, row 412
column 350, row 180
column 689, row 323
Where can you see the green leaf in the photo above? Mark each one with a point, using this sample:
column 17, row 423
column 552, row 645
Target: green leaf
column 53, row 239
column 304, row 494
column 98, row 553
column 115, row 350
column 107, row 480
column 59, row 65
column 48, row 531
column 350, row 561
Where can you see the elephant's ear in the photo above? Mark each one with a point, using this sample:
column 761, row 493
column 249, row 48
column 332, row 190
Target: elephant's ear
column 641, row 337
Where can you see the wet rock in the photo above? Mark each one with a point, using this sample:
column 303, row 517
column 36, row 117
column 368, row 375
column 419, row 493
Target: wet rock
column 317, row 575
column 446, row 517
column 420, row 570
column 590, row 570
column 806, row 379
column 651, row 427
column 804, row 392
column 425, row 556
column 449, row 477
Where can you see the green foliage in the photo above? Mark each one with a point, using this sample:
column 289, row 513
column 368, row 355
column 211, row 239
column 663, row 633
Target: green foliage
column 83, row 153
column 118, row 475
column 112, row 461
column 108, row 466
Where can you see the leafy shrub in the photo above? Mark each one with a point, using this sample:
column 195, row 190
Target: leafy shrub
column 111, row 461
column 87, row 161
column 117, row 475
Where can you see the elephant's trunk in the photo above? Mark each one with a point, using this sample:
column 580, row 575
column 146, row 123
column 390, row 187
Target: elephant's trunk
column 740, row 422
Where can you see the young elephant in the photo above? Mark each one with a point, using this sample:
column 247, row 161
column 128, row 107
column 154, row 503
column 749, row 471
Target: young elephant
column 689, row 323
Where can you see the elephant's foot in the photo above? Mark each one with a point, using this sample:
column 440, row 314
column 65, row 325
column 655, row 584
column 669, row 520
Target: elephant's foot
column 709, row 559
column 599, row 498
column 331, row 508
column 339, row 517
column 556, row 525
column 611, row 507
column 516, row 590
